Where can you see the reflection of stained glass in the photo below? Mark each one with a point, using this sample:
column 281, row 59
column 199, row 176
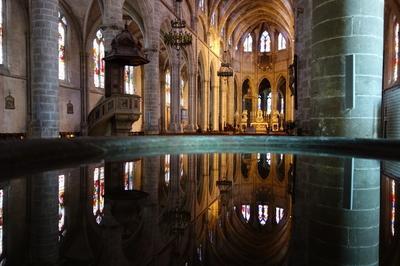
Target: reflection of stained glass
column 61, row 206
column 1, row 32
column 181, row 168
column 129, row 175
column 396, row 52
column 246, row 212
column 281, row 42
column 62, row 27
column 265, row 44
column 167, row 171
column 129, row 79
column 393, row 214
column 278, row 214
column 98, row 194
column 248, row 43
column 98, row 55
column 1, row 219
column 262, row 214
column 200, row 253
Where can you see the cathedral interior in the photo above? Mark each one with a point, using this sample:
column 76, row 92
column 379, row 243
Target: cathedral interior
column 80, row 76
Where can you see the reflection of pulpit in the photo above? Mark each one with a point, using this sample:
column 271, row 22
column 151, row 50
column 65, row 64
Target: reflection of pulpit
column 275, row 121
column 260, row 124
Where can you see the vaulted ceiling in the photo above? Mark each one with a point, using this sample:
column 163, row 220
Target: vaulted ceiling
column 241, row 16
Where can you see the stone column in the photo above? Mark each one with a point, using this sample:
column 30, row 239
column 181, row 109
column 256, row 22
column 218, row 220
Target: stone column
column 175, row 123
column 339, row 233
column 192, row 100
column 204, row 104
column 151, row 98
column 342, row 28
column 44, row 219
column 44, row 67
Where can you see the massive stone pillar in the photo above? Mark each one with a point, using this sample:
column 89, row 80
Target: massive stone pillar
column 342, row 195
column 346, row 102
column 45, row 85
column 175, row 122
column 43, row 246
column 192, row 100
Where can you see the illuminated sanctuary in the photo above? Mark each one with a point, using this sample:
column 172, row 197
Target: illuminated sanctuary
column 183, row 70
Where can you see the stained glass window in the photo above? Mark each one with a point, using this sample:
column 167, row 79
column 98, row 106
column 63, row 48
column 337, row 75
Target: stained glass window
column 61, row 206
column 201, row 4
column 393, row 214
column 98, row 193
column 62, row 30
column 396, row 52
column 259, row 102
column 129, row 78
column 269, row 103
column 129, row 175
column 262, row 214
column 248, row 44
column 182, row 92
column 168, row 88
column 246, row 212
column 278, row 214
column 98, row 55
column 265, row 42
column 281, row 42
column 1, row 220
column 282, row 99
column 213, row 19
column 1, row 32
column 167, row 169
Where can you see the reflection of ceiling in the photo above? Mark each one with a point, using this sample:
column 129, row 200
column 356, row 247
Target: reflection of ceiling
column 242, row 16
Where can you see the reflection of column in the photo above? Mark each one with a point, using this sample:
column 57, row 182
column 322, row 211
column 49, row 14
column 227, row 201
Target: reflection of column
column 335, row 234
column 44, row 219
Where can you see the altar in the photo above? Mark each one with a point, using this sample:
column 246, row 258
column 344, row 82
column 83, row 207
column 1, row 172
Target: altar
column 260, row 125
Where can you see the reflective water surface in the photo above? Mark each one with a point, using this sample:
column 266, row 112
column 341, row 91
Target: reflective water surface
column 209, row 209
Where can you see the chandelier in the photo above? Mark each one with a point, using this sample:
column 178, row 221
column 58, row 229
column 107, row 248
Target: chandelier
column 177, row 37
column 225, row 69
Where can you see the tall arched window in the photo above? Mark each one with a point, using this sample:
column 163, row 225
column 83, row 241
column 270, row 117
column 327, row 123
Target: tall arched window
column 263, row 214
column 213, row 19
column 201, row 4
column 248, row 44
column 98, row 193
column 281, row 42
column 182, row 101
column 265, row 42
column 62, row 31
column 129, row 78
column 61, row 206
column 1, row 32
column 269, row 103
column 246, row 212
column 168, row 88
column 396, row 52
column 98, row 55
column 167, row 169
